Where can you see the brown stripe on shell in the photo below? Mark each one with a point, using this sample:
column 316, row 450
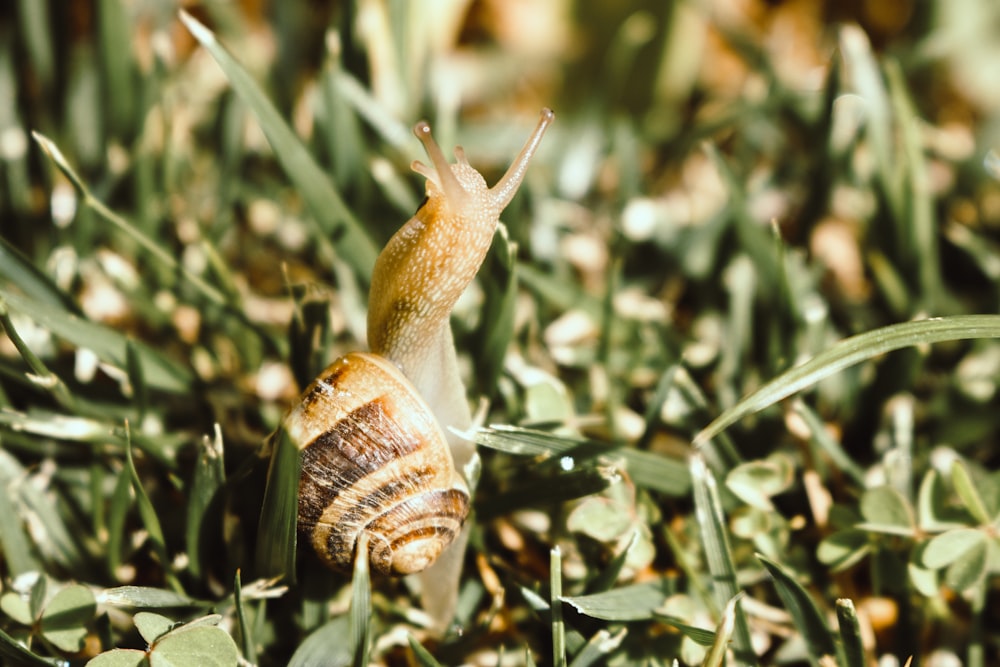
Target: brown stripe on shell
column 409, row 536
column 362, row 442
column 369, row 443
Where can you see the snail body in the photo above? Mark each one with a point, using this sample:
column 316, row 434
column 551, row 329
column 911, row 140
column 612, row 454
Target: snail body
column 375, row 456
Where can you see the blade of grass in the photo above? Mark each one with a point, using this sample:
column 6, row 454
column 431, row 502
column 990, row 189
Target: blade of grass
column 629, row 603
column 422, row 655
column 16, row 654
column 848, row 352
column 850, row 634
column 555, row 608
column 205, row 501
column 646, row 468
column 39, row 507
column 148, row 597
column 14, row 544
column 718, row 555
column 161, row 372
column 596, row 651
column 805, row 614
column 121, row 500
column 821, row 438
column 17, row 269
column 609, row 575
column 361, row 603
column 154, row 249
column 276, row 532
column 921, row 220
column 40, row 375
column 337, row 225
column 247, row 644
column 149, row 518
column 717, row 653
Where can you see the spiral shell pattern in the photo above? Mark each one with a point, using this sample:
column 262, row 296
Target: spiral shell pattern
column 375, row 460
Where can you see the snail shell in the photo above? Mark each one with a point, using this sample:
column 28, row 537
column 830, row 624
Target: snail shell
column 374, row 459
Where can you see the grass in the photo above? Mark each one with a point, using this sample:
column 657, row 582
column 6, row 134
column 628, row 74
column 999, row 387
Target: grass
column 738, row 333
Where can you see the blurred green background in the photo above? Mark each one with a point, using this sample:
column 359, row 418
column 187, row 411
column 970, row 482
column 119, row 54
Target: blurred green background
column 730, row 187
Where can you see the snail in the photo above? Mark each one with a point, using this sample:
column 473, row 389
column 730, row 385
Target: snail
column 371, row 429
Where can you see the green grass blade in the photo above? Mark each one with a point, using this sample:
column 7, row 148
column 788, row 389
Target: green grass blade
column 649, row 470
column 276, row 532
column 851, row 351
column 597, row 649
column 422, row 655
column 555, row 607
column 160, row 371
column 118, row 508
column 205, row 502
column 629, row 603
column 337, row 224
column 247, row 645
column 805, row 614
column 147, row 597
column 154, row 249
column 17, row 269
column 361, row 603
column 850, row 634
column 58, row 544
column 151, row 521
column 822, row 438
column 14, row 543
column 14, row 653
column 720, row 645
column 715, row 539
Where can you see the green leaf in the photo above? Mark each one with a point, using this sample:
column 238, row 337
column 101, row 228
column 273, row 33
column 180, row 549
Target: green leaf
column 17, row 607
column 335, row 220
column 201, row 645
column 848, row 352
column 843, row 549
column 119, row 657
column 932, row 505
column 944, row 549
column 146, row 597
column 152, row 626
column 755, row 482
column 629, row 603
column 969, row 569
column 328, row 645
column 65, row 618
column 805, row 614
column 885, row 510
column 967, row 491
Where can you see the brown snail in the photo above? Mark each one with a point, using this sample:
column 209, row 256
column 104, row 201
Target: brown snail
column 371, row 428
